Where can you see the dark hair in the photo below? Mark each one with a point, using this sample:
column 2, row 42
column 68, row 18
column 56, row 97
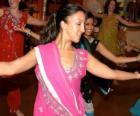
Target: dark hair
column 52, row 28
column 95, row 19
column 89, row 15
column 22, row 4
column 107, row 4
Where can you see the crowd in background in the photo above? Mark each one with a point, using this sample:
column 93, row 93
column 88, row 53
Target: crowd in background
column 108, row 16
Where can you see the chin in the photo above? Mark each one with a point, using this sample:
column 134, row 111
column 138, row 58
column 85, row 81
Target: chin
column 76, row 41
column 88, row 34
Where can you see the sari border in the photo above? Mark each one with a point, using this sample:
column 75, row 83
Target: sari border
column 46, row 80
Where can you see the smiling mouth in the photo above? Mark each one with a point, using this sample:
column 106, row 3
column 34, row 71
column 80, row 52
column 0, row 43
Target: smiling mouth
column 89, row 30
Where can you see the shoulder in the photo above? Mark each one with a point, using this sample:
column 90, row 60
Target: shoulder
column 82, row 52
column 82, row 55
column 45, row 46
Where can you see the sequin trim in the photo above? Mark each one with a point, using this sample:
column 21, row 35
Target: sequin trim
column 50, row 101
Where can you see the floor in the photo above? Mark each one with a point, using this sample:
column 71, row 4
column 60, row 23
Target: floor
column 28, row 85
column 117, row 103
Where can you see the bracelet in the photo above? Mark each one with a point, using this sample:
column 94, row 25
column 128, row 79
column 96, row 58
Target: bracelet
column 138, row 58
column 29, row 32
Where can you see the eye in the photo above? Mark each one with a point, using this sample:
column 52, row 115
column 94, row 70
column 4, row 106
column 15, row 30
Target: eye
column 87, row 24
column 78, row 23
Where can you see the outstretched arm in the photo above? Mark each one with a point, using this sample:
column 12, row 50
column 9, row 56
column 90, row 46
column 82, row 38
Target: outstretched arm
column 33, row 21
column 97, row 15
column 116, row 59
column 127, row 23
column 99, row 69
column 19, row 65
column 28, row 32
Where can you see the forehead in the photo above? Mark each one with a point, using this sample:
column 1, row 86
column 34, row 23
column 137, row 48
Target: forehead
column 14, row 0
column 89, row 19
column 112, row 2
column 80, row 15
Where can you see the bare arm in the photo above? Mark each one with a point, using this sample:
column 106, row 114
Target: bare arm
column 127, row 23
column 19, row 65
column 116, row 59
column 99, row 69
column 97, row 15
column 28, row 32
column 33, row 21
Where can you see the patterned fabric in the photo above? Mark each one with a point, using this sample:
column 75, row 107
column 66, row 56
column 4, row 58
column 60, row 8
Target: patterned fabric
column 59, row 90
column 11, row 42
column 86, row 84
column 11, row 47
column 108, row 33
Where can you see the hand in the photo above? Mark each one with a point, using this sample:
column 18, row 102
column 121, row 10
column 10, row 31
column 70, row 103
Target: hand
column 137, row 75
column 138, row 58
column 22, row 29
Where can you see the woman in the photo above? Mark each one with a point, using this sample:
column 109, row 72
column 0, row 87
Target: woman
column 108, row 33
column 92, row 44
column 12, row 44
column 60, row 67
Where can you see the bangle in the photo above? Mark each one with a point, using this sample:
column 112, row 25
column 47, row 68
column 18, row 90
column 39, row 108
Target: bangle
column 138, row 58
column 29, row 32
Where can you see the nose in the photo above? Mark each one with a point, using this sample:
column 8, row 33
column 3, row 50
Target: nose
column 91, row 26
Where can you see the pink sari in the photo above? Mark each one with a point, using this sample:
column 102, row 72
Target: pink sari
column 58, row 91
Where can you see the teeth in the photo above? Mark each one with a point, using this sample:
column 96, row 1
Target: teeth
column 89, row 30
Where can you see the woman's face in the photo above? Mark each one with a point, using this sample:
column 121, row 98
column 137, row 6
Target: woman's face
column 14, row 3
column 89, row 27
column 112, row 6
column 74, row 27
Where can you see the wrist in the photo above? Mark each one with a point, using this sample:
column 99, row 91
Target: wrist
column 138, row 58
column 137, row 75
column 28, row 32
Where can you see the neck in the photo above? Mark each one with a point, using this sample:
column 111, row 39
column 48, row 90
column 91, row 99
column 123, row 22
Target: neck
column 110, row 13
column 14, row 10
column 63, row 44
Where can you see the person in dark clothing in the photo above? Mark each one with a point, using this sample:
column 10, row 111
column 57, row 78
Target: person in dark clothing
column 92, row 44
column 87, row 36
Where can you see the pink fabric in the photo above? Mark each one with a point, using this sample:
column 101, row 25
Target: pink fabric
column 67, row 86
